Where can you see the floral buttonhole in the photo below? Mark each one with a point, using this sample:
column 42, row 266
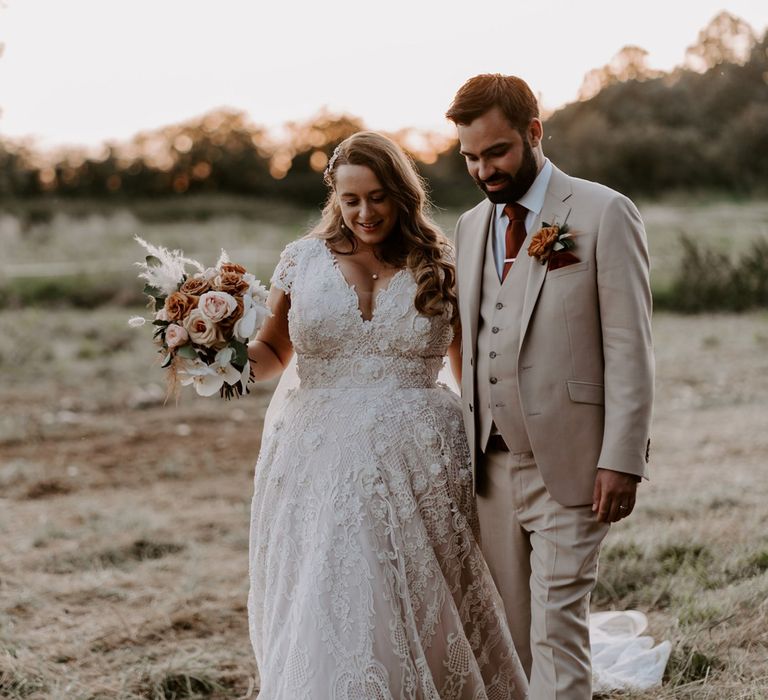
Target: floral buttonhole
column 553, row 241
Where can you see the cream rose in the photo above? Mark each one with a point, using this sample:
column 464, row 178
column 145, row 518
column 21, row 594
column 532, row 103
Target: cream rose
column 201, row 329
column 216, row 306
column 175, row 335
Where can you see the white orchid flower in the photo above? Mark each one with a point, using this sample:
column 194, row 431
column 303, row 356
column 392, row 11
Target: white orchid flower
column 208, row 379
column 254, row 315
column 255, row 288
column 246, row 324
column 245, row 374
column 195, row 372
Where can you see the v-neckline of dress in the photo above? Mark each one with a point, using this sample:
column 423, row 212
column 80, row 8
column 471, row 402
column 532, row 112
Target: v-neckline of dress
column 353, row 292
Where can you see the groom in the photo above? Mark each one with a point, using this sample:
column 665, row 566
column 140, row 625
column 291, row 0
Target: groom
column 557, row 373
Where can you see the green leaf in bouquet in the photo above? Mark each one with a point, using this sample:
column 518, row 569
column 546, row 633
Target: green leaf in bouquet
column 241, row 353
column 153, row 261
column 159, row 303
column 168, row 359
column 187, row 352
column 152, row 291
column 158, row 322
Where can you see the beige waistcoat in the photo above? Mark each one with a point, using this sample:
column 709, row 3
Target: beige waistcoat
column 498, row 339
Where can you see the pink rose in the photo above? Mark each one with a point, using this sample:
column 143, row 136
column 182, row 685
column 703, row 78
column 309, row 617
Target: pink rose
column 175, row 335
column 216, row 306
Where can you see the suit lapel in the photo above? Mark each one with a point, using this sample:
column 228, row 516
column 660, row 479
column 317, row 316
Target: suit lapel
column 474, row 255
column 555, row 211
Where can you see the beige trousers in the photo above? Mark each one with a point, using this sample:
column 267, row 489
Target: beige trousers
column 543, row 557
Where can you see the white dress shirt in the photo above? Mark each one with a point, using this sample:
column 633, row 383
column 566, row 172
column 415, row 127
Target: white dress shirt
column 532, row 200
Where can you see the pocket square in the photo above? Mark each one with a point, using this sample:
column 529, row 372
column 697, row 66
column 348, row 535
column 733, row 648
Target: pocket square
column 561, row 258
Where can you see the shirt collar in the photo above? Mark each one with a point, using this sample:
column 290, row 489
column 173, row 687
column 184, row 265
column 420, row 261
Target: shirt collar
column 533, row 199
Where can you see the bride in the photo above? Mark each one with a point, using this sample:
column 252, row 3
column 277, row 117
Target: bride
column 367, row 579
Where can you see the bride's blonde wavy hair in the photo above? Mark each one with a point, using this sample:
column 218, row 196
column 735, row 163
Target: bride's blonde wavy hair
column 416, row 242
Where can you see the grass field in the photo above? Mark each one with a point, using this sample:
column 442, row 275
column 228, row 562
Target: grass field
column 87, row 255
column 124, row 574
column 124, row 519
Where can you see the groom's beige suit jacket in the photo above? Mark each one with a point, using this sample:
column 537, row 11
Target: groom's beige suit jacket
column 584, row 363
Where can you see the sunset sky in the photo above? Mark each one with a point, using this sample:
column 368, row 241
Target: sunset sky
column 82, row 71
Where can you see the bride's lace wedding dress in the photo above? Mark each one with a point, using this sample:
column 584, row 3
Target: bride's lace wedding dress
column 367, row 580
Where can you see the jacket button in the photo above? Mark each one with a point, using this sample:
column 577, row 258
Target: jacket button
column 495, row 329
column 499, row 305
column 494, row 380
column 470, row 408
column 492, row 354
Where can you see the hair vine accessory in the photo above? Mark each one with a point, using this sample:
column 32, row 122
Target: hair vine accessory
column 332, row 161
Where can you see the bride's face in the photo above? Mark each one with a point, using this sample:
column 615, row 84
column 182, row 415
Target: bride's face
column 366, row 207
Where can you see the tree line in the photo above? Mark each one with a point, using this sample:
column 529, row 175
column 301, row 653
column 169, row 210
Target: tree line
column 701, row 127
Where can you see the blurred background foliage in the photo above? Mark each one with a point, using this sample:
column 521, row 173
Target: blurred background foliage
column 700, row 127
column 698, row 133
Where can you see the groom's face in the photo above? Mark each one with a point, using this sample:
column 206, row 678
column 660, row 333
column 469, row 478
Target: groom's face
column 499, row 158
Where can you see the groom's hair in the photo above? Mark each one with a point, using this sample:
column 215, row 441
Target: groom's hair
column 484, row 92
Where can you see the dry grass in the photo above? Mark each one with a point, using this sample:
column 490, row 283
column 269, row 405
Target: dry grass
column 124, row 567
column 54, row 244
column 721, row 226
column 695, row 553
column 124, row 573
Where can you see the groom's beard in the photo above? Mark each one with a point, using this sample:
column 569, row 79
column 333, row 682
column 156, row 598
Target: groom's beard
column 516, row 185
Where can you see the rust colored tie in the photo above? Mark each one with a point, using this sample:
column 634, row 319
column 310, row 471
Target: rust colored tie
column 514, row 236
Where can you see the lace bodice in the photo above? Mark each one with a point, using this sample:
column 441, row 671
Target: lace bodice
column 336, row 346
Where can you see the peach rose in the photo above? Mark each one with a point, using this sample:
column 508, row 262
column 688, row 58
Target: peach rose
column 202, row 330
column 196, row 286
column 231, row 282
column 179, row 304
column 217, row 305
column 175, row 335
column 541, row 245
column 232, row 267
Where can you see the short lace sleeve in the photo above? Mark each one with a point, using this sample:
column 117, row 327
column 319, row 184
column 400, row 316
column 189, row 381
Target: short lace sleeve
column 285, row 272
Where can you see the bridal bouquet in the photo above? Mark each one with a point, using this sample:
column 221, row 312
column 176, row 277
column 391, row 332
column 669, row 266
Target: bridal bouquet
column 204, row 320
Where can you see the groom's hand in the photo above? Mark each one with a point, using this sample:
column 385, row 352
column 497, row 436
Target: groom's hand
column 614, row 495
